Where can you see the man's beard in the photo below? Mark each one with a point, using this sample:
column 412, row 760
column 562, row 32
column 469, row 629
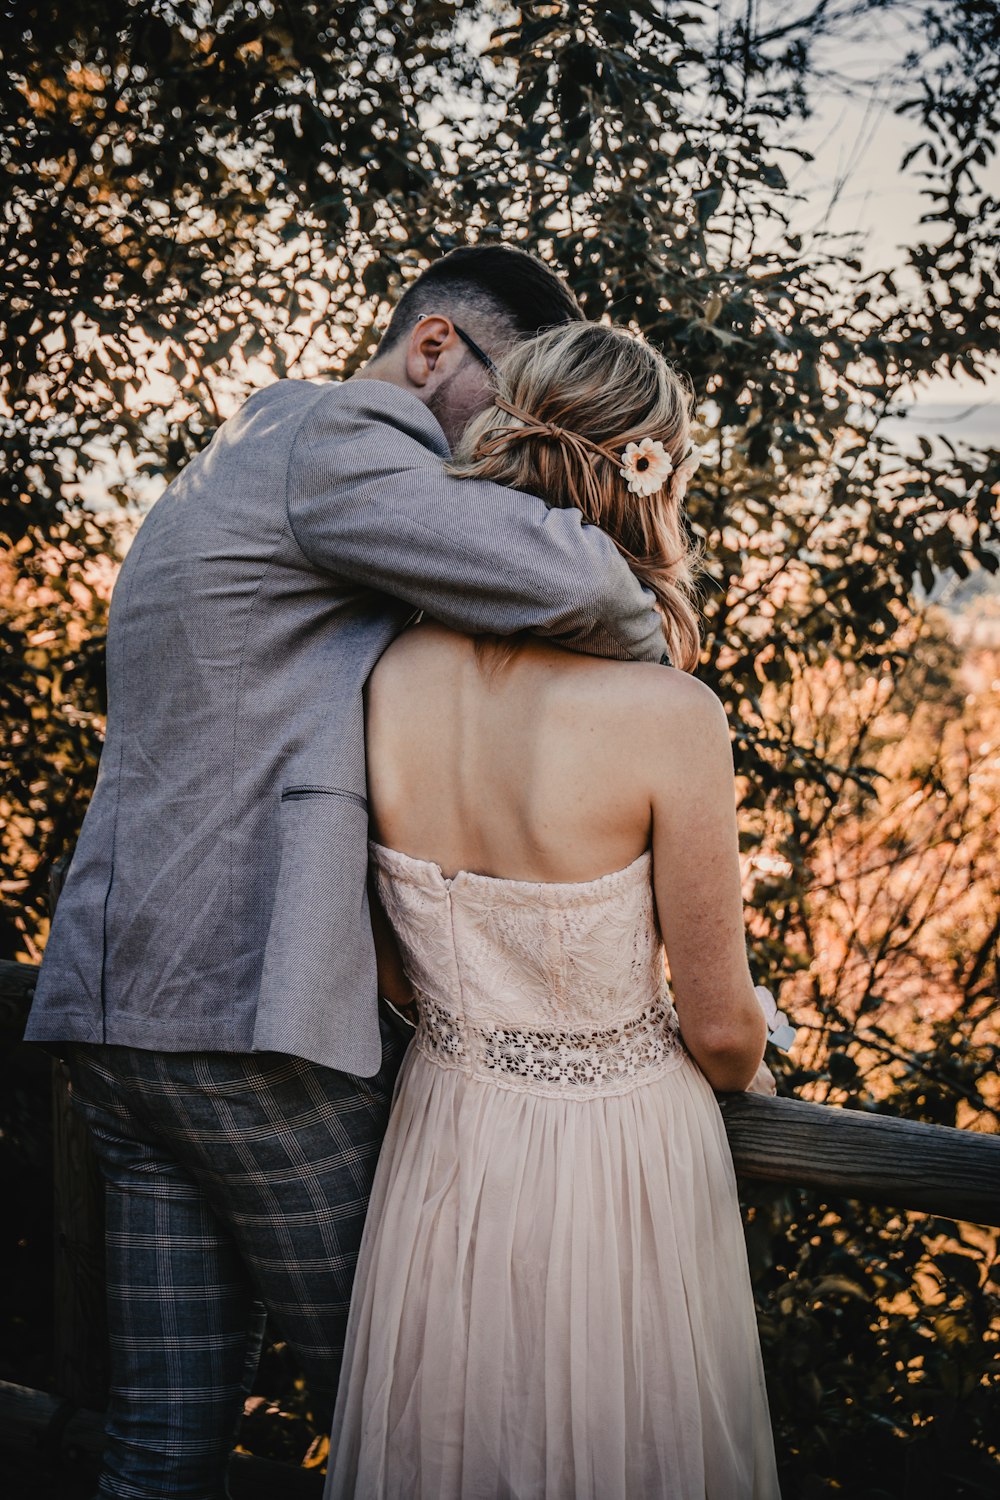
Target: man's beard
column 452, row 412
column 440, row 406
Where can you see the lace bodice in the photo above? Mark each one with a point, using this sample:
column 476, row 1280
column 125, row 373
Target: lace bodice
column 548, row 988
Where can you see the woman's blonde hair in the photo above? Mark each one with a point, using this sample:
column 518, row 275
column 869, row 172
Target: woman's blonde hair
column 608, row 388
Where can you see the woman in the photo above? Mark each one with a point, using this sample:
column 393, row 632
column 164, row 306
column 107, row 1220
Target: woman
column 552, row 1298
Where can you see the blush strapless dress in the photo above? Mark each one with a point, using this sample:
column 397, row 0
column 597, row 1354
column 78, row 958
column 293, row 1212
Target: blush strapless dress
column 552, row 1298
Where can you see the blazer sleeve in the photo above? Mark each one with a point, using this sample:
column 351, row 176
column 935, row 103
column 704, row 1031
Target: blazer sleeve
column 369, row 501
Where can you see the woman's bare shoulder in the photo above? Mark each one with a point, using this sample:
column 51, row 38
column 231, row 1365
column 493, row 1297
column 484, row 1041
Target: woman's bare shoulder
column 676, row 697
column 659, row 696
column 654, row 702
column 647, row 713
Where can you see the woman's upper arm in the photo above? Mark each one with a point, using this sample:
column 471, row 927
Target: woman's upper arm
column 697, row 870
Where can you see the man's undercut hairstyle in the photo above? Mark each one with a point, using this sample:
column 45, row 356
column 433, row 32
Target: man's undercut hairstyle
column 500, row 290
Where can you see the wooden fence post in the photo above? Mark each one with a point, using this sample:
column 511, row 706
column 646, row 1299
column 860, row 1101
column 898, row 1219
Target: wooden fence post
column 80, row 1352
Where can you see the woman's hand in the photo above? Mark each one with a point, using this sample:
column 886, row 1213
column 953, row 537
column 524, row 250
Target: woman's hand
column 762, row 1081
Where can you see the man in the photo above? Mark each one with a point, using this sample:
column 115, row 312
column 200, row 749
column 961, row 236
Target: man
column 212, row 961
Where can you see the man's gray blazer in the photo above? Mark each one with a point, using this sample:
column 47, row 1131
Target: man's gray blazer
column 217, row 897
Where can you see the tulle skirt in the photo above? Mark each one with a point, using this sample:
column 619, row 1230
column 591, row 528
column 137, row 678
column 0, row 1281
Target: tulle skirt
column 552, row 1302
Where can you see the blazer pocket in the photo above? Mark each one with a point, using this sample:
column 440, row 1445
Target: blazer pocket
column 317, row 988
column 303, row 793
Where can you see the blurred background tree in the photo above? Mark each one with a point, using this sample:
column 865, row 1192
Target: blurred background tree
column 200, row 196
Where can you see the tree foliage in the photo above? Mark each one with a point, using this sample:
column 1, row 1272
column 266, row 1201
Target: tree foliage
column 200, row 195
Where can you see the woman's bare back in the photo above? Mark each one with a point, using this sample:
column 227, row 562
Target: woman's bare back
column 557, row 767
column 522, row 769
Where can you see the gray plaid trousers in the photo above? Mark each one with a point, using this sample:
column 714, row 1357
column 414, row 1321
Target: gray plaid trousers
column 232, row 1181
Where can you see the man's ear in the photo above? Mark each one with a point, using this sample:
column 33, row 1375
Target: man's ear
column 428, row 341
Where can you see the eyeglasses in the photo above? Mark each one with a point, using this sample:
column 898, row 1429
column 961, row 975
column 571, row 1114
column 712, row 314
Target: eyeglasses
column 474, row 348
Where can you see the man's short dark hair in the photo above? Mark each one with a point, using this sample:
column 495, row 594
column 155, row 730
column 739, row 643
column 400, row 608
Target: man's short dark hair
column 498, row 284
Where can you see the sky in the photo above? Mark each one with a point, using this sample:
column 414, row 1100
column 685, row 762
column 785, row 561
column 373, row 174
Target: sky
column 854, row 185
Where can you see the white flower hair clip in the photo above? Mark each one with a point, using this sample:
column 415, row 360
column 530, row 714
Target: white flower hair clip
column 646, row 466
column 684, row 472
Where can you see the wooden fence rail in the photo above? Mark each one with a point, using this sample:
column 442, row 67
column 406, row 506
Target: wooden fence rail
column 901, row 1164
column 878, row 1158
